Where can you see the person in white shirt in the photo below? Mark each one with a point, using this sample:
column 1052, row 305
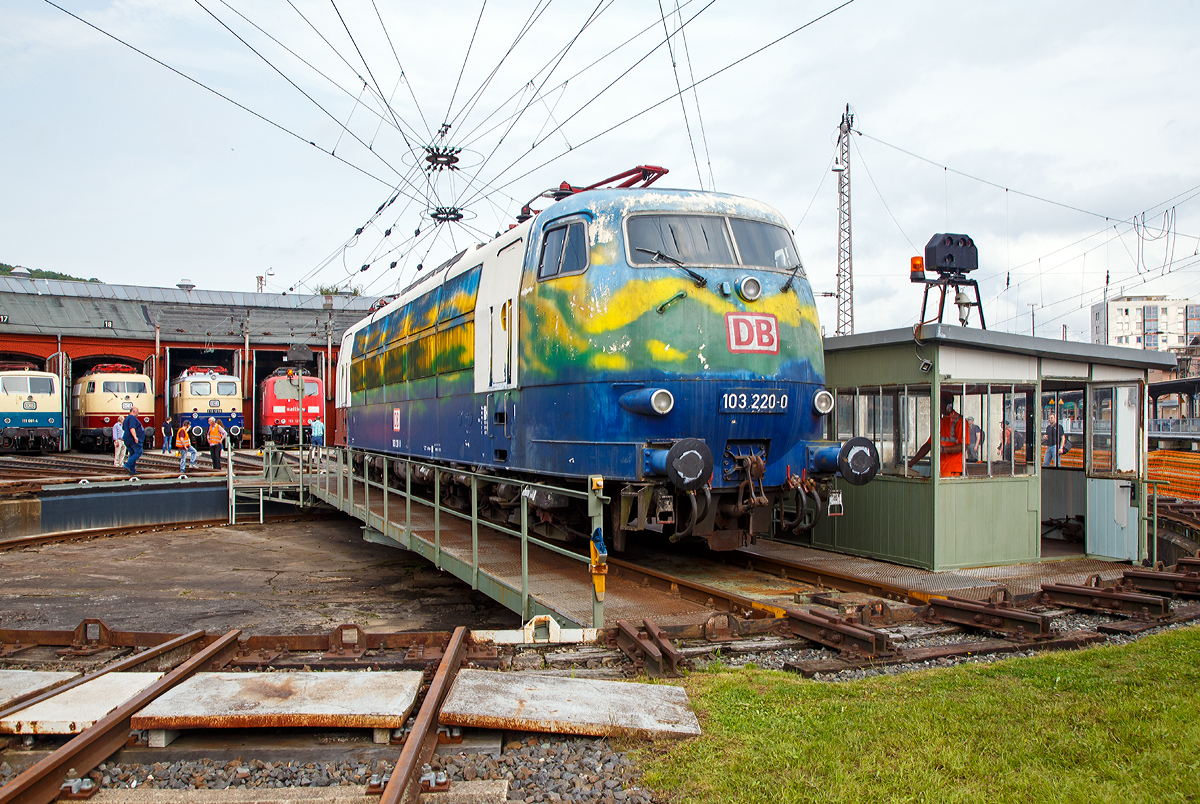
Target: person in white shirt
column 119, row 451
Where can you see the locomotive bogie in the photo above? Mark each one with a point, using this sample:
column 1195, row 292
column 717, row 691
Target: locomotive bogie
column 665, row 340
column 31, row 411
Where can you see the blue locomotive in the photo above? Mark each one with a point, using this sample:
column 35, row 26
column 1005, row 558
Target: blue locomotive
column 31, row 409
column 666, row 340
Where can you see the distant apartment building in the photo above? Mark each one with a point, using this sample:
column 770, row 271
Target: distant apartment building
column 1146, row 322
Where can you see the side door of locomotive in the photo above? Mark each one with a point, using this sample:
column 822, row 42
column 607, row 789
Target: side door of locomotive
column 496, row 344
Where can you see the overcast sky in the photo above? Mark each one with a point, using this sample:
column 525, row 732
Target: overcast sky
column 116, row 167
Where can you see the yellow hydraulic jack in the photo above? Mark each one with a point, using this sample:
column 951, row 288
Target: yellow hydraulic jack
column 599, row 567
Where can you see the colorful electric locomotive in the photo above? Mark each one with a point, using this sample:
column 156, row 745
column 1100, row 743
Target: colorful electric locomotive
column 31, row 409
column 279, row 409
column 665, row 340
column 201, row 392
column 104, row 395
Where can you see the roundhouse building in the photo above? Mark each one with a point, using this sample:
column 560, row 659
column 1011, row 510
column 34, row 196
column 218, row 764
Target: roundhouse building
column 71, row 326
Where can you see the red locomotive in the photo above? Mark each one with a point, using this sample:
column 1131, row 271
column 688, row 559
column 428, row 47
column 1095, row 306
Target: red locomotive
column 279, row 410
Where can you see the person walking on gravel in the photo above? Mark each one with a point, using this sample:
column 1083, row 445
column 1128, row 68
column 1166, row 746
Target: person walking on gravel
column 118, row 436
column 135, row 440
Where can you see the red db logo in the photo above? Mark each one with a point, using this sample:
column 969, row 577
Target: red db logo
column 752, row 332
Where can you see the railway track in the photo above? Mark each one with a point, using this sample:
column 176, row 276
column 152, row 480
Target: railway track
column 20, row 472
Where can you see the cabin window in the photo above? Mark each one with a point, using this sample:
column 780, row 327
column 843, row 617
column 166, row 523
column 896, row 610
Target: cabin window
column 227, row 389
column 135, row 387
column 111, row 387
column 690, row 239
column 41, row 385
column 1068, row 410
column 200, row 388
column 764, row 245
column 312, row 388
column 564, row 251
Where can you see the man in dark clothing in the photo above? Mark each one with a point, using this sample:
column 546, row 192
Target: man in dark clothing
column 974, row 440
column 135, row 439
column 1054, row 441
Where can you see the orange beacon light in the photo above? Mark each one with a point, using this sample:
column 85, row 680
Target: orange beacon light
column 916, row 272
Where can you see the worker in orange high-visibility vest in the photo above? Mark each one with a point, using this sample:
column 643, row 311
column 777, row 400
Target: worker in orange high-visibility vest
column 216, row 438
column 953, row 438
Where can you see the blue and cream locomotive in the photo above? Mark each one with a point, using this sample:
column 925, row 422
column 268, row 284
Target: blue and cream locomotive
column 666, row 340
column 31, row 409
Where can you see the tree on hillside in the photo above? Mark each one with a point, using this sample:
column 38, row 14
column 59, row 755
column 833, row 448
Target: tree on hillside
column 5, row 270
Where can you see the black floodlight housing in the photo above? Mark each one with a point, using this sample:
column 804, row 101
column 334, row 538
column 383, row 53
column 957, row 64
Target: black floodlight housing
column 951, row 254
column 951, row 257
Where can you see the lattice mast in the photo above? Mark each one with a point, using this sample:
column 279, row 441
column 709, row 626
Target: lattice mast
column 845, row 275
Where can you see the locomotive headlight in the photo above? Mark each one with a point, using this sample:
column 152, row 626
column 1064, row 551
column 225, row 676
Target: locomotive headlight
column 823, row 402
column 235, row 430
column 749, row 288
column 662, row 401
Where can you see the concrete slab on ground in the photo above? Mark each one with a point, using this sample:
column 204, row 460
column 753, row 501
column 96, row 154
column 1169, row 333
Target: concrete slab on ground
column 524, row 702
column 15, row 683
column 76, row 709
column 287, row 699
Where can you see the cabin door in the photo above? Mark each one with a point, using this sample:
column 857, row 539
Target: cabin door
column 496, row 345
column 60, row 364
column 1113, row 471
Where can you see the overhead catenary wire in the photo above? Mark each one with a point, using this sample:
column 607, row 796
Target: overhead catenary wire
column 220, row 95
column 671, row 97
column 682, row 103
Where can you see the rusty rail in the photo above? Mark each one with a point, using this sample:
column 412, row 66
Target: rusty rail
column 837, row 633
column 1164, row 583
column 1115, row 601
column 988, row 617
column 405, row 786
column 41, row 783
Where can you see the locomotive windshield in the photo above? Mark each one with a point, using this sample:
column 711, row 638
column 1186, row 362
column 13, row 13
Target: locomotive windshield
column 27, row 385
column 227, row 389
column 116, row 387
column 764, row 245
column 694, row 239
column 311, row 388
column 707, row 240
column 201, row 388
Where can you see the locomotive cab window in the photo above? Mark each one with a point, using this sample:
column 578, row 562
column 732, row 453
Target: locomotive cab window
column 227, row 389
column 200, row 388
column 689, row 239
column 765, row 245
column 312, row 388
column 111, row 387
column 564, row 251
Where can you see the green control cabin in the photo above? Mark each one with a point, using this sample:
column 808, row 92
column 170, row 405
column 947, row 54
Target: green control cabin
column 1016, row 500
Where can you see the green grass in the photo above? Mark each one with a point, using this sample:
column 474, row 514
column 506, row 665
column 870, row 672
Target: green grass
column 1110, row 724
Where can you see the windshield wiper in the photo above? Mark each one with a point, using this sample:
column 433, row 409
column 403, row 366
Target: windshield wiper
column 660, row 257
column 788, row 284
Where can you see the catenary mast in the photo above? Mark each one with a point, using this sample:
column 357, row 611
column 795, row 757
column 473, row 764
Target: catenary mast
column 845, row 275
